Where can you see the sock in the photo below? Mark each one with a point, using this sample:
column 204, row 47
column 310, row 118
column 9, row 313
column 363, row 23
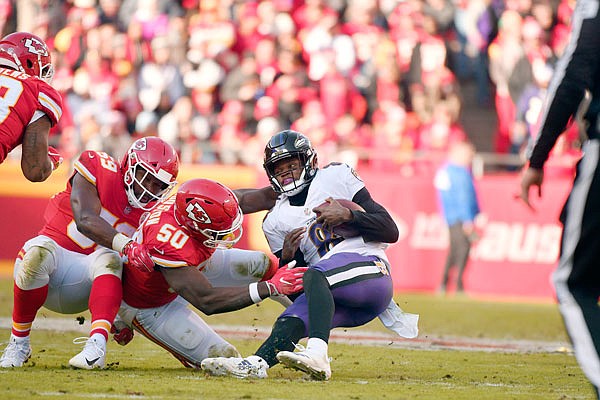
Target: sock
column 285, row 332
column 104, row 303
column 26, row 305
column 320, row 304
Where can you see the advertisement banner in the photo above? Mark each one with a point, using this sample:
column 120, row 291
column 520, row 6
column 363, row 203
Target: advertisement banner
column 514, row 257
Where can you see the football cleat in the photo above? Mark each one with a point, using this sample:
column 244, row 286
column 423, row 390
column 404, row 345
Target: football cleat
column 316, row 365
column 92, row 356
column 16, row 353
column 249, row 367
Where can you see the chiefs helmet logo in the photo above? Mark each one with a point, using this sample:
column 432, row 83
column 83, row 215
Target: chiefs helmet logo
column 36, row 47
column 140, row 144
column 195, row 212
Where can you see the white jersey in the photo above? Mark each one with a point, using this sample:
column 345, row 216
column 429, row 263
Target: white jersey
column 338, row 181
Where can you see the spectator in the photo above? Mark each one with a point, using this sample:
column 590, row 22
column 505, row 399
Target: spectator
column 459, row 206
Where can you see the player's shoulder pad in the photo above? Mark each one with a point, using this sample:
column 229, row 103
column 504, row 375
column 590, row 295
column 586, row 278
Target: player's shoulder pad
column 338, row 168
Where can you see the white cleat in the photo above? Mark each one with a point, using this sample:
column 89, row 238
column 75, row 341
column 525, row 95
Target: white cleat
column 16, row 353
column 249, row 367
column 317, row 366
column 92, row 356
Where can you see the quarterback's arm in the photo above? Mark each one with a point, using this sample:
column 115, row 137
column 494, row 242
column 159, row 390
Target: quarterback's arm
column 35, row 163
column 253, row 200
column 86, row 207
column 375, row 224
column 193, row 286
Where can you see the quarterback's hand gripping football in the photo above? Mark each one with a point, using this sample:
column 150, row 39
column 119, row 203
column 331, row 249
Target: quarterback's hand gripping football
column 287, row 280
column 138, row 256
column 55, row 158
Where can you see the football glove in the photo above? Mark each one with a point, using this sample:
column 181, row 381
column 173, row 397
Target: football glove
column 138, row 256
column 287, row 280
column 122, row 335
column 55, row 158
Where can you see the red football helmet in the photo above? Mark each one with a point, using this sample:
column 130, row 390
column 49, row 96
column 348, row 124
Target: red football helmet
column 209, row 211
column 159, row 164
column 27, row 53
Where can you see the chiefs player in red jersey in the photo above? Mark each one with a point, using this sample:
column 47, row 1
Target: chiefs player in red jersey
column 74, row 262
column 182, row 234
column 29, row 106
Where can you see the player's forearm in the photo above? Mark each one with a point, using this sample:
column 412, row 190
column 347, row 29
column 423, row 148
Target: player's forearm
column 253, row 200
column 97, row 229
column 223, row 299
column 36, row 170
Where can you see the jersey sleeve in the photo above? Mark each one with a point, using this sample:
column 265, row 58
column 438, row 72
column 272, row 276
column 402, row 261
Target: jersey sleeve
column 49, row 101
column 87, row 166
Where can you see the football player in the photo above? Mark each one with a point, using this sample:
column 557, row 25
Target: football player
column 348, row 282
column 182, row 234
column 74, row 262
column 29, row 106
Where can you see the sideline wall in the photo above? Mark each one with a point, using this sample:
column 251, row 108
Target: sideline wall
column 515, row 256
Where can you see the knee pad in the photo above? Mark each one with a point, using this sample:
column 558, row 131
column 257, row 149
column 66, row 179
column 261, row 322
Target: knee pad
column 33, row 270
column 236, row 267
column 106, row 262
column 249, row 263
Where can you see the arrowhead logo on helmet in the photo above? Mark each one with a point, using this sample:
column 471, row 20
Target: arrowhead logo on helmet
column 36, row 47
column 196, row 213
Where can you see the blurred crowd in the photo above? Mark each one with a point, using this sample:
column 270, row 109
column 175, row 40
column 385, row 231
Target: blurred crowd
column 374, row 82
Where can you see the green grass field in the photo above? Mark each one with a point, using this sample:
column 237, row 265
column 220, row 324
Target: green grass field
column 142, row 370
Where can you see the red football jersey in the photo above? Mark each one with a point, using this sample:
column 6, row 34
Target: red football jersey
column 22, row 98
column 105, row 173
column 170, row 247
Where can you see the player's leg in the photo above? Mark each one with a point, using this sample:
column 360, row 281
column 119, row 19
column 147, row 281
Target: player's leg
column 341, row 282
column 104, row 268
column 33, row 266
column 182, row 332
column 237, row 267
column 577, row 277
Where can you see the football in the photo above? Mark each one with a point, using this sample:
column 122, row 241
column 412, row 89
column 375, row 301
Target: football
column 345, row 230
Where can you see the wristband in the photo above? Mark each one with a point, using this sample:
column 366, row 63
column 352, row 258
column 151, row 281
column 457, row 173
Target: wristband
column 272, row 289
column 119, row 241
column 253, row 289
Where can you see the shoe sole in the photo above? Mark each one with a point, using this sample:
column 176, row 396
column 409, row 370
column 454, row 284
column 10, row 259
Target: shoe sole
column 296, row 364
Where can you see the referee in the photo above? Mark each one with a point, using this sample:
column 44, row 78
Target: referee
column 577, row 277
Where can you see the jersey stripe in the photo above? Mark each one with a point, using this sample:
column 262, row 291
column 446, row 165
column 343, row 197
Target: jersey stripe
column 50, row 104
column 79, row 167
column 169, row 263
column 353, row 274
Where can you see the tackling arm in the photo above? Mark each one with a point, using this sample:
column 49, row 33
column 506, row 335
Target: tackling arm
column 193, row 286
column 35, row 163
column 253, row 200
column 86, row 207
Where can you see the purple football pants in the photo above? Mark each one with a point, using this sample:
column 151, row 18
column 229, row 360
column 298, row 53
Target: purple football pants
column 361, row 287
